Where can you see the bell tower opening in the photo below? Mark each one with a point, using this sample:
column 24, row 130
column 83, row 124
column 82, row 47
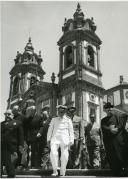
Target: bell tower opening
column 90, row 56
column 68, row 57
column 32, row 81
column 16, row 86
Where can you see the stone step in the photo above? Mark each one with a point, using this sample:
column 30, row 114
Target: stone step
column 38, row 173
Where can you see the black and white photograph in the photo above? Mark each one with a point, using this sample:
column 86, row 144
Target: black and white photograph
column 64, row 89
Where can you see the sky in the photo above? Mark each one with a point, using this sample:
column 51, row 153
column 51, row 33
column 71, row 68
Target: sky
column 43, row 22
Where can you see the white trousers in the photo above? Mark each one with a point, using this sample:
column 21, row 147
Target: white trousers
column 55, row 158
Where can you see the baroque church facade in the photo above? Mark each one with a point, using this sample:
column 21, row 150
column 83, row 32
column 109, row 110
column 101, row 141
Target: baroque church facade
column 79, row 78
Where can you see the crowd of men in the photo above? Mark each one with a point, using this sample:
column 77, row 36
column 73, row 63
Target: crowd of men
column 31, row 140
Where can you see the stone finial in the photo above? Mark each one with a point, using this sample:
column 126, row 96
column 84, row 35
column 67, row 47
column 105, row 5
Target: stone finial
column 78, row 7
column 53, row 77
column 65, row 20
column 29, row 46
column 39, row 60
column 92, row 19
column 121, row 79
column 40, row 53
column 93, row 24
column 78, row 14
column 29, row 40
column 17, row 54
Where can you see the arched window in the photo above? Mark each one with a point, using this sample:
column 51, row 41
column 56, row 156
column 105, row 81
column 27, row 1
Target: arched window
column 68, row 56
column 16, row 85
column 90, row 56
column 32, row 80
column 86, row 26
column 71, row 26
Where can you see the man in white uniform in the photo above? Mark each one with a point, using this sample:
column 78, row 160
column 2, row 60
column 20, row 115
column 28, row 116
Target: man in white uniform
column 60, row 134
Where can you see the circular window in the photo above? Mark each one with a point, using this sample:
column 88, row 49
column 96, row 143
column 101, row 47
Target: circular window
column 92, row 97
column 126, row 94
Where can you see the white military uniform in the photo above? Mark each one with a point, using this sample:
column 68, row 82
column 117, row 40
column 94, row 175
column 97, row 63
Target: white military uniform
column 60, row 134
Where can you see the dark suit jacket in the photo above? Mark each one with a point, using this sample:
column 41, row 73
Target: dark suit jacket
column 11, row 135
column 33, row 126
column 44, row 125
column 114, row 143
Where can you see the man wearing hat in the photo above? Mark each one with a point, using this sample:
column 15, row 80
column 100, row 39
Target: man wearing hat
column 19, row 118
column 75, row 150
column 93, row 141
column 60, row 135
column 113, row 139
column 42, row 136
column 11, row 137
column 34, row 127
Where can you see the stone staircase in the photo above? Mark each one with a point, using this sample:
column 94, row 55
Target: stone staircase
column 70, row 173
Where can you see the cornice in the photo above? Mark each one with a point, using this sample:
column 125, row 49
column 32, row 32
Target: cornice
column 92, row 80
column 79, row 35
column 24, row 68
column 73, row 67
column 117, row 87
column 90, row 69
column 67, row 70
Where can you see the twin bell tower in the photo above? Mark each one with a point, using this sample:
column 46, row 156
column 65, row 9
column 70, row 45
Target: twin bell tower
column 79, row 83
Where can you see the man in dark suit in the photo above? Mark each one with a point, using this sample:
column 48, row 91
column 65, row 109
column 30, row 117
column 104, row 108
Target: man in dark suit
column 113, row 139
column 11, row 139
column 17, row 115
column 34, row 128
column 42, row 136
